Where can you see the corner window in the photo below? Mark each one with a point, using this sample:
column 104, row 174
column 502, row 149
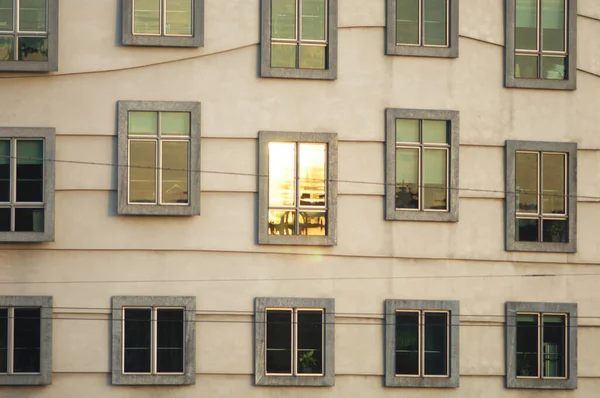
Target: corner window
column 540, row 44
column 297, row 188
column 25, row 340
column 425, row 28
column 28, row 35
column 541, row 210
column 160, row 144
column 421, row 343
column 154, row 340
column 422, row 165
column 299, row 39
column 166, row 23
column 541, row 345
column 294, row 341
column 26, row 184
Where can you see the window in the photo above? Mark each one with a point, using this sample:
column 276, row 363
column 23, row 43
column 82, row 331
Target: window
column 299, row 39
column 154, row 340
column 297, row 188
column 294, row 341
column 541, row 44
column 421, row 340
column 28, row 35
column 25, row 340
column 26, row 184
column 160, row 144
column 422, row 165
column 168, row 23
column 541, row 345
column 541, row 202
column 425, row 28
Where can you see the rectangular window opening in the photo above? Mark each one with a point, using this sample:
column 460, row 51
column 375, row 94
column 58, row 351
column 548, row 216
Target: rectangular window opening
column 20, row 340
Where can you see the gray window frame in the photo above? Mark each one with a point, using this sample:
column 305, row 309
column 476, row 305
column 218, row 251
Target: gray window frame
column 393, row 214
column 51, row 65
column 264, row 138
column 131, row 39
column 48, row 134
column 260, row 306
column 512, row 381
column 193, row 207
column 330, row 73
column 45, row 375
column 188, row 377
column 390, row 308
column 510, row 81
column 510, row 229
column 392, row 48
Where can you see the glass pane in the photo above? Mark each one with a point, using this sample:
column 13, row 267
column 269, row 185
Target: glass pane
column 4, row 171
column 311, row 174
column 554, row 68
column 137, row 340
column 169, row 340
column 407, row 21
column 555, row 231
column 175, row 163
column 527, row 230
column 179, row 17
column 279, row 341
column 554, row 183
column 6, row 17
column 555, row 331
column 175, row 123
column 146, row 17
column 527, row 345
column 312, row 223
column 3, row 340
column 553, row 25
column 310, row 342
column 526, row 66
column 435, row 22
column 526, row 190
column 7, row 48
column 435, row 181
column 407, row 130
column 30, row 171
column 283, row 55
column 26, row 340
column 282, row 222
column 312, row 57
column 32, row 16
column 436, row 343
column 435, row 131
column 526, row 25
column 282, row 174
column 5, row 219
column 143, row 123
column 407, row 178
column 142, row 171
column 283, row 19
column 407, row 343
column 313, row 19
column 33, row 49
column 29, row 220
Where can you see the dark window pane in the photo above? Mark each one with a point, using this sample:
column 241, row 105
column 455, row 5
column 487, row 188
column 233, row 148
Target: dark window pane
column 434, row 16
column 407, row 343
column 526, row 25
column 33, row 49
column 526, row 66
column 7, row 48
column 527, row 345
column 527, row 230
column 4, row 219
column 407, row 22
column 169, row 340
column 554, row 68
column 555, row 231
column 30, row 171
column 27, row 340
column 310, row 341
column 436, row 343
column 3, row 340
column 29, row 220
column 137, row 340
column 554, row 345
column 279, row 341
column 4, row 169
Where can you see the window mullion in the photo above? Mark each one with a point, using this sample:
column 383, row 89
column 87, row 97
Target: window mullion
column 540, row 196
column 295, row 342
column 540, row 37
column 298, row 30
column 421, row 343
column 421, row 23
column 297, row 193
column 158, row 171
column 13, row 182
column 154, row 339
column 420, row 185
column 541, row 345
column 163, row 17
column 11, row 340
